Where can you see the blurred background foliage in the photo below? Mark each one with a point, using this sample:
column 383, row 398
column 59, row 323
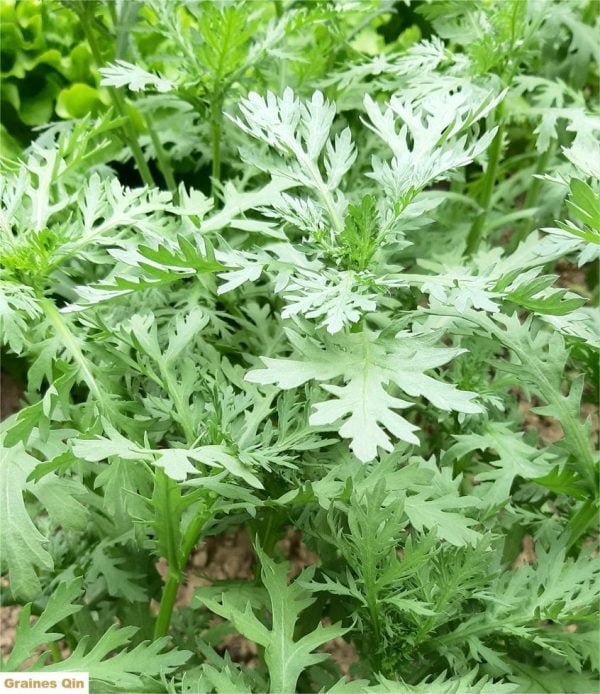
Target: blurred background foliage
column 48, row 71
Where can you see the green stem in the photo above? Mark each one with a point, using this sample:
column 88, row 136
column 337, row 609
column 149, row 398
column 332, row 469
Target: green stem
column 192, row 534
column 313, row 170
column 54, row 652
column 532, row 195
column 267, row 530
column 131, row 137
column 216, row 124
column 176, row 571
column 70, row 342
column 178, row 555
column 123, row 25
column 585, row 518
column 164, row 163
column 172, row 518
column 167, row 603
column 129, row 132
column 371, row 596
column 478, row 228
column 359, row 27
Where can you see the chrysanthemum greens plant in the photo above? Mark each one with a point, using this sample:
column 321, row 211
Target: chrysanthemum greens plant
column 326, row 266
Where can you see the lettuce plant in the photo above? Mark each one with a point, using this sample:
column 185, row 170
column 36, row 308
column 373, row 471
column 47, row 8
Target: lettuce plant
column 46, row 70
column 301, row 272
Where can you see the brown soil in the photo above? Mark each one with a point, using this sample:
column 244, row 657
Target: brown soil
column 527, row 554
column 549, row 429
column 343, row 653
column 591, row 411
column 9, row 616
column 10, row 395
column 570, row 276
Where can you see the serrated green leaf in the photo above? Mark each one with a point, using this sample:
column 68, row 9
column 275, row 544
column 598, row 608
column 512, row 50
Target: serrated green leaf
column 285, row 656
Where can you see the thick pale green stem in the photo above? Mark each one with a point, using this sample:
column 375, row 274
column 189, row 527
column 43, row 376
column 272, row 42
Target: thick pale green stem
column 170, row 540
column 192, row 534
column 167, row 603
column 372, row 598
column 176, row 571
column 70, row 342
column 216, row 125
column 124, row 24
column 54, row 652
column 313, row 170
column 131, row 138
column 372, row 604
column 478, row 228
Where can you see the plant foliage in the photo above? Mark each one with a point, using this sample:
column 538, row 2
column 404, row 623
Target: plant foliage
column 321, row 269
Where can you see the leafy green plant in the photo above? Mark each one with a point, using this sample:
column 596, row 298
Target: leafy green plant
column 46, row 70
column 322, row 268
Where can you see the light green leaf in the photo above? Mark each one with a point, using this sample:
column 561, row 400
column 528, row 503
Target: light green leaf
column 78, row 100
column 368, row 364
column 285, row 657
column 124, row 74
column 23, row 546
column 453, row 527
column 125, row 669
column 514, row 458
column 175, row 461
column 466, row 684
column 30, row 635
